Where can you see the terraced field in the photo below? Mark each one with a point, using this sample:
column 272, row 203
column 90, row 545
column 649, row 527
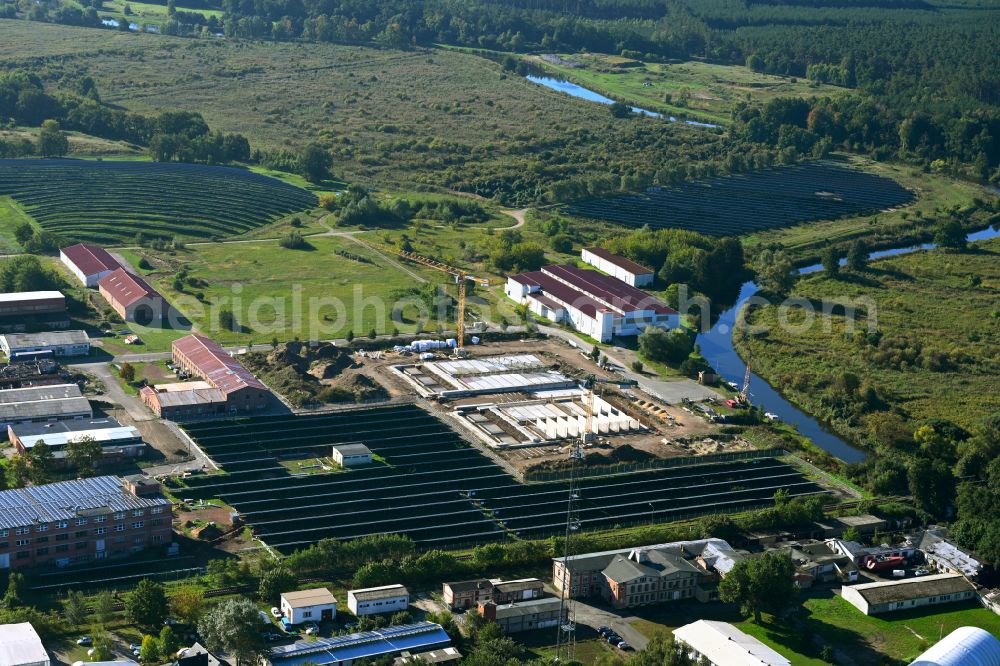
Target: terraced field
column 435, row 488
column 745, row 203
column 110, row 202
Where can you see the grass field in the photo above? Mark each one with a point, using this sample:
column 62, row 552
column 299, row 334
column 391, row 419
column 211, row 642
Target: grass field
column 406, row 119
column 698, row 90
column 937, row 301
column 11, row 217
column 828, row 619
column 148, row 13
column 935, row 193
column 80, row 145
column 288, row 293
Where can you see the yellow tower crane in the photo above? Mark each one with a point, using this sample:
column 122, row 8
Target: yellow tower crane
column 461, row 278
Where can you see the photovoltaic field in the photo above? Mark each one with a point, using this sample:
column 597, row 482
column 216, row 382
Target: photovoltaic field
column 740, row 204
column 110, row 202
column 432, row 486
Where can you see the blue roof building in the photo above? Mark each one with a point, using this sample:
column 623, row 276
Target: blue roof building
column 343, row 650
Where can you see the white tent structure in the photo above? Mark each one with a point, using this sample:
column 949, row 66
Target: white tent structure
column 966, row 646
column 21, row 646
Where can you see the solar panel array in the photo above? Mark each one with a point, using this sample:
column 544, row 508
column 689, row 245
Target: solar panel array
column 63, row 500
column 436, row 488
column 744, row 203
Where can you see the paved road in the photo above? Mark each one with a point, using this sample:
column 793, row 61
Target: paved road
column 130, row 403
column 620, row 620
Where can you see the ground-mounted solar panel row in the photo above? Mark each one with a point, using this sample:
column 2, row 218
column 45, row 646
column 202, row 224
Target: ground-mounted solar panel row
column 107, row 201
column 437, row 489
column 739, row 204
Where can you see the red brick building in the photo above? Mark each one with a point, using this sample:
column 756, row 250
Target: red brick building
column 228, row 387
column 71, row 522
column 133, row 298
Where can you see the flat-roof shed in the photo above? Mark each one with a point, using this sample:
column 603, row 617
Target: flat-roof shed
column 43, row 403
column 895, row 595
column 60, row 343
column 617, row 266
column 314, row 605
column 349, row 455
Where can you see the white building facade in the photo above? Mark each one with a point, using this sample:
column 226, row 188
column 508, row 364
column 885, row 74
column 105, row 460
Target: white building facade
column 595, row 304
column 315, row 605
column 626, row 270
column 375, row 600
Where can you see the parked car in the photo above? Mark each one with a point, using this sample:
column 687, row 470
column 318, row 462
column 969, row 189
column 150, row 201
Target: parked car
column 275, row 612
column 85, row 640
column 921, row 572
column 134, row 647
column 310, row 628
column 624, row 646
column 603, row 630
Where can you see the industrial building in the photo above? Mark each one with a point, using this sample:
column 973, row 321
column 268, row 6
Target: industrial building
column 722, row 644
column 315, row 605
column 479, row 376
column 525, row 615
column 81, row 520
column 818, row 561
column 21, row 646
column 375, row 600
column 446, row 655
column 89, row 263
column 117, row 442
column 227, row 387
column 32, row 310
column 468, row 594
column 133, row 298
column 626, row 270
column 55, row 343
column 547, row 417
column 614, row 574
column 58, row 402
column 966, row 646
column 351, row 455
column 945, row 556
column 368, row 645
column 895, row 595
column 595, row 304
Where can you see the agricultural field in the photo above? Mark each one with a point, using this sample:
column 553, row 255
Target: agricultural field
column 111, row 202
column 696, row 90
column 739, row 204
column 422, row 487
column 938, row 314
column 403, row 119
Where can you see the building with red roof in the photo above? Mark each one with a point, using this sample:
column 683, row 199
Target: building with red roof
column 595, row 304
column 88, row 263
column 132, row 297
column 626, row 270
column 227, row 386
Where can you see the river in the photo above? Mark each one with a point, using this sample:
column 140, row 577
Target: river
column 585, row 93
column 718, row 349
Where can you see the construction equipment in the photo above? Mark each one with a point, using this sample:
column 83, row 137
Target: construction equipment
column 461, row 278
column 742, row 398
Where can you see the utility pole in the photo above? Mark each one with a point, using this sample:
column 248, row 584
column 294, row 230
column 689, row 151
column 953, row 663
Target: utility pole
column 566, row 630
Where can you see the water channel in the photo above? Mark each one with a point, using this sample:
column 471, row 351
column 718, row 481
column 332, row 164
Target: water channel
column 718, row 349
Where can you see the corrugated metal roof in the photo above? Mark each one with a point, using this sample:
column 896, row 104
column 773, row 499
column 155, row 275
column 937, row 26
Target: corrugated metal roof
column 127, row 288
column 65, row 499
column 214, row 364
column 966, row 646
column 319, row 596
column 31, row 393
column 610, row 291
column 90, row 259
column 619, row 261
